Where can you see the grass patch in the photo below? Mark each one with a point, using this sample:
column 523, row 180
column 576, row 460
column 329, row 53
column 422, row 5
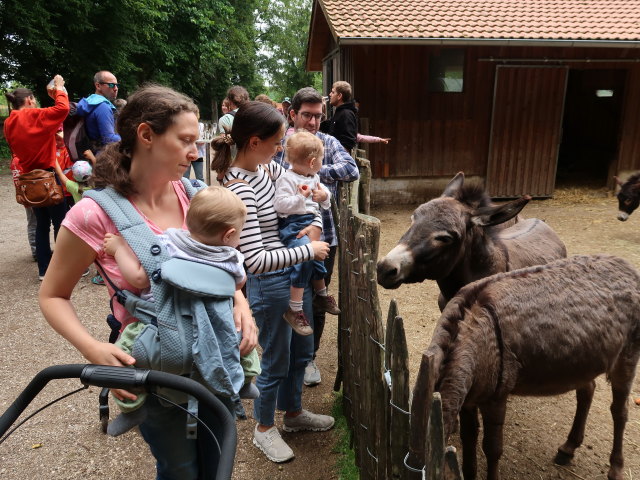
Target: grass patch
column 346, row 464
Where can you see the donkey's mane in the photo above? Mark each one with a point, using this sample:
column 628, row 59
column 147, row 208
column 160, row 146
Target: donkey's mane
column 474, row 195
column 449, row 326
column 635, row 178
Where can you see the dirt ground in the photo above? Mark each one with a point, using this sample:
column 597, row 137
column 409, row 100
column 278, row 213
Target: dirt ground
column 65, row 440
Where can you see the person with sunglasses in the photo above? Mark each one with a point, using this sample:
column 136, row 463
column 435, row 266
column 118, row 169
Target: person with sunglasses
column 99, row 114
column 99, row 111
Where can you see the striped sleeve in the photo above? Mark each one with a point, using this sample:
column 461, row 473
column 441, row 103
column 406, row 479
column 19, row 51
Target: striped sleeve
column 260, row 240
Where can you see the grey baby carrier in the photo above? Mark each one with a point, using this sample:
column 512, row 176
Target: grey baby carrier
column 189, row 327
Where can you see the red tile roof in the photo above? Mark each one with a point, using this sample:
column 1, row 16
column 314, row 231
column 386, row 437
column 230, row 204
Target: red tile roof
column 605, row 20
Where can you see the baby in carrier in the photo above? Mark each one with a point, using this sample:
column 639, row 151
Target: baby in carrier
column 215, row 219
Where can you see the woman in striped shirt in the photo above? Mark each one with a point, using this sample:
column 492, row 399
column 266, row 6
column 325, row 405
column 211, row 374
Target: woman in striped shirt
column 257, row 133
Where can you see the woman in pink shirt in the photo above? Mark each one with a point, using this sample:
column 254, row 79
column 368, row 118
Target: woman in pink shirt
column 159, row 129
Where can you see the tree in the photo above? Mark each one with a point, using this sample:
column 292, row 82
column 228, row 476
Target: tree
column 284, row 30
column 199, row 47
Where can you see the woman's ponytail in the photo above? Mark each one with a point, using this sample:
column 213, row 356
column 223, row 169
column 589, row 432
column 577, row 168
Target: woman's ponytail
column 253, row 119
column 223, row 157
column 112, row 168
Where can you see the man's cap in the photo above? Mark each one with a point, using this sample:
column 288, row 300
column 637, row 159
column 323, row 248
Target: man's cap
column 286, row 100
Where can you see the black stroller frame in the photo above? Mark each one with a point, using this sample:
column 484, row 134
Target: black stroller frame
column 136, row 379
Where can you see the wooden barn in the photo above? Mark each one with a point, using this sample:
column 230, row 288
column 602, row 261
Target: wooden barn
column 524, row 94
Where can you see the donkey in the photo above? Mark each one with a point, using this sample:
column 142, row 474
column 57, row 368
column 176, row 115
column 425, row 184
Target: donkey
column 461, row 237
column 628, row 196
column 539, row 331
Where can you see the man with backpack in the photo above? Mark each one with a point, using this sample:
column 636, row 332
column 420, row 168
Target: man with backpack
column 98, row 111
column 91, row 124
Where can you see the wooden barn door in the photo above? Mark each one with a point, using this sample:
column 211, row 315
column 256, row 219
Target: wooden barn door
column 526, row 130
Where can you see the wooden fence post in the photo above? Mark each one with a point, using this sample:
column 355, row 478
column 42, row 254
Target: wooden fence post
column 420, row 408
column 392, row 314
column 398, row 364
column 364, row 195
column 434, row 453
column 380, row 389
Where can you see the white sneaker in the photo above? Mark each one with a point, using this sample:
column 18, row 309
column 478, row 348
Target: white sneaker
column 307, row 421
column 272, row 445
column 312, row 374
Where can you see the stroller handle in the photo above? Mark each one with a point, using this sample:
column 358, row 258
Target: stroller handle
column 131, row 378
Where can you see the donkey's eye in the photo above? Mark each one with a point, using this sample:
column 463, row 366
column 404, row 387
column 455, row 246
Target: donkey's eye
column 444, row 239
column 627, row 202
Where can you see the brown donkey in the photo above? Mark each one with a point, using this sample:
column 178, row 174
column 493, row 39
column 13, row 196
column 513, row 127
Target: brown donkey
column 538, row 331
column 461, row 237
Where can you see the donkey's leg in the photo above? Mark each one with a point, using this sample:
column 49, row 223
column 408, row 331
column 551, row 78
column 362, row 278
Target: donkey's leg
column 584, row 396
column 469, row 436
column 621, row 378
column 493, row 414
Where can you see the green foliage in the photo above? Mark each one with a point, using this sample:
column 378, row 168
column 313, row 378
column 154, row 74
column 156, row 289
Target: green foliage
column 284, row 31
column 199, row 47
column 4, row 108
column 5, row 153
column 346, row 464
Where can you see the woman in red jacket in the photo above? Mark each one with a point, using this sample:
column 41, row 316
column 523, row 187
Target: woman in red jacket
column 30, row 133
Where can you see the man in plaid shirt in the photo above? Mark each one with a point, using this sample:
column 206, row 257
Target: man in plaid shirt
column 338, row 165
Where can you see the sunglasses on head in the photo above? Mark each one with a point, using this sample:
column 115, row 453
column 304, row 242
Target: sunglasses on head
column 110, row 84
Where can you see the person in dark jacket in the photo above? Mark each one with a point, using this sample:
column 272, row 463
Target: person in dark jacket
column 99, row 111
column 344, row 123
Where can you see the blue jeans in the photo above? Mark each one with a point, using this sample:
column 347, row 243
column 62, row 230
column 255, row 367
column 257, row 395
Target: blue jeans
column 179, row 458
column 302, row 272
column 45, row 216
column 197, row 170
column 284, row 353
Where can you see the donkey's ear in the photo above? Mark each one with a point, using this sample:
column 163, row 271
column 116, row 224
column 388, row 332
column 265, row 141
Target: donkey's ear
column 494, row 215
column 454, row 185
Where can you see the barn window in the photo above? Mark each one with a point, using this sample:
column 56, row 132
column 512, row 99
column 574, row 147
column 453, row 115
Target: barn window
column 446, row 70
column 604, row 93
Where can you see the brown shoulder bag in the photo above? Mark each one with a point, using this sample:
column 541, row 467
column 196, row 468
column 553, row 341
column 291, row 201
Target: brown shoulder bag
column 38, row 188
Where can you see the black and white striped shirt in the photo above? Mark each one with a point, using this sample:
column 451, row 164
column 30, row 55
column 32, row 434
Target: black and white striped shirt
column 260, row 240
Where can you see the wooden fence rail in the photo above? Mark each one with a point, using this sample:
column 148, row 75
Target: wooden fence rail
column 393, row 437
